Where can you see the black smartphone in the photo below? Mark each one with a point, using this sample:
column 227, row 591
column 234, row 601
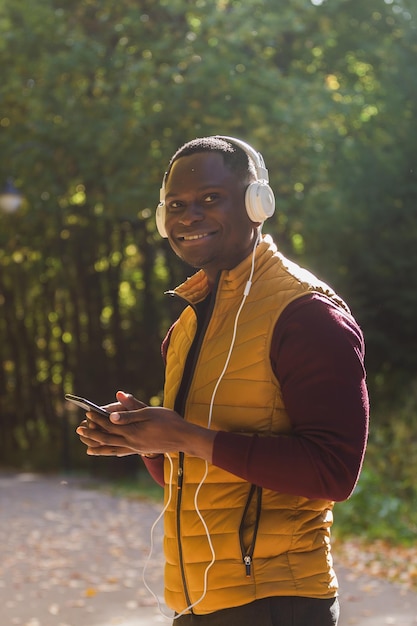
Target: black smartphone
column 87, row 405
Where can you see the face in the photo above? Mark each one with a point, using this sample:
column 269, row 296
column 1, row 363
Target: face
column 206, row 219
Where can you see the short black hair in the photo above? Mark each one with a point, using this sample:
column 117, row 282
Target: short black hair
column 235, row 158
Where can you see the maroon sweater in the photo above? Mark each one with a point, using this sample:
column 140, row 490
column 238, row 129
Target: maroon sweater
column 317, row 354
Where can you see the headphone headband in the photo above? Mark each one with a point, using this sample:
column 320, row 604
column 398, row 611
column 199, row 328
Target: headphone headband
column 256, row 157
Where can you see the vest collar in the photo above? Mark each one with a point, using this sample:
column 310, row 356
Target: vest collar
column 196, row 287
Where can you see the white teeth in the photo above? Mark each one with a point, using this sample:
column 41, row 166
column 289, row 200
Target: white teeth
column 191, row 237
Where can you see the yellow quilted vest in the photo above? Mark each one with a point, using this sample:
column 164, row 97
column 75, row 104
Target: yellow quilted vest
column 265, row 543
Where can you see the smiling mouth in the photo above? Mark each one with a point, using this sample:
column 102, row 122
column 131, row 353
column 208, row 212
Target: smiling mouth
column 193, row 237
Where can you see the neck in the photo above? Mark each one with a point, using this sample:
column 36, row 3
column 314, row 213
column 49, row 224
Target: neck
column 213, row 275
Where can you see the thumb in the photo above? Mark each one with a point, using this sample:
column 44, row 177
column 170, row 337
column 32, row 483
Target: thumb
column 128, row 401
column 131, row 404
column 127, row 417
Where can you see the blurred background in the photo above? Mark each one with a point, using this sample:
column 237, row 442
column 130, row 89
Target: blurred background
column 95, row 96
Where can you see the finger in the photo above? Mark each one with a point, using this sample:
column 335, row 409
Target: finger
column 128, row 401
column 114, row 406
column 100, row 437
column 110, row 451
column 95, row 420
column 91, row 436
column 129, row 417
column 87, row 423
column 90, row 443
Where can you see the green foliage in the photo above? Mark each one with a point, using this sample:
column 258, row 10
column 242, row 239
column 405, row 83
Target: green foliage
column 94, row 98
column 383, row 504
column 377, row 510
column 363, row 210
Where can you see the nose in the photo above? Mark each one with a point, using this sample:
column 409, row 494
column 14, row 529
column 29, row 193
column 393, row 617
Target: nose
column 192, row 212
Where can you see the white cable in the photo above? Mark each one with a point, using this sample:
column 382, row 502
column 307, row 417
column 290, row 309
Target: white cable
column 213, row 554
column 210, row 417
column 160, row 516
column 232, row 343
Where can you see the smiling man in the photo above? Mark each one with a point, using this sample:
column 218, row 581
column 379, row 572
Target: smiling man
column 265, row 415
column 206, row 221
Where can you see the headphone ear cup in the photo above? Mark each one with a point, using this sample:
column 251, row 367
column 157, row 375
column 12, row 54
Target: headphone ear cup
column 260, row 201
column 160, row 219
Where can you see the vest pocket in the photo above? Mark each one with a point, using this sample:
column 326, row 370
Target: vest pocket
column 249, row 525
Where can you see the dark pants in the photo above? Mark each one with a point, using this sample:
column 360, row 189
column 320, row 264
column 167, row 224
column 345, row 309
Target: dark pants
column 278, row 611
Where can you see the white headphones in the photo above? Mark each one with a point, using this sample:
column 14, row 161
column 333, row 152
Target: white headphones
column 259, row 197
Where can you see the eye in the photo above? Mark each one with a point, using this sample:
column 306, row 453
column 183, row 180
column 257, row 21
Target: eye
column 174, row 205
column 211, row 197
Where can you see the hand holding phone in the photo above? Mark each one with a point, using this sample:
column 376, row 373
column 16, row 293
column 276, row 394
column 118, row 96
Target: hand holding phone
column 87, row 405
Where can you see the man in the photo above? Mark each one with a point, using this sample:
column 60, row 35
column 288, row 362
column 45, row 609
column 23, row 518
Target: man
column 265, row 414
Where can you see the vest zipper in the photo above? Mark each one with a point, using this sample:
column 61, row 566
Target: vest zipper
column 178, row 519
column 247, row 552
column 179, row 407
column 180, row 475
column 247, row 561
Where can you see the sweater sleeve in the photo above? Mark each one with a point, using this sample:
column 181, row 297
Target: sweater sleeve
column 155, row 467
column 317, row 355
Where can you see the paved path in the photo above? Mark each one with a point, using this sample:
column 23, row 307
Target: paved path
column 73, row 556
